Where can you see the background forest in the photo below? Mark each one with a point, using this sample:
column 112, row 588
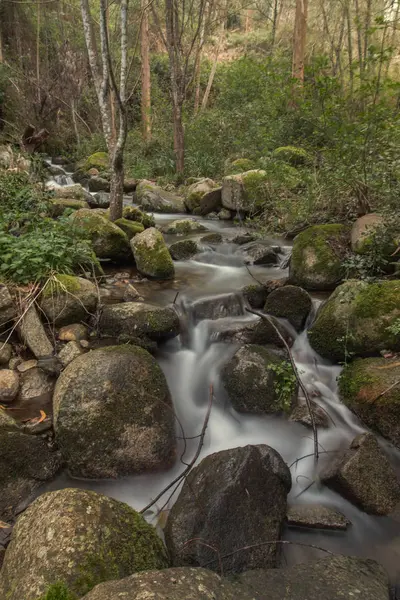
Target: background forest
column 245, row 79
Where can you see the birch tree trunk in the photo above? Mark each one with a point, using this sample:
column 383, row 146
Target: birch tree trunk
column 146, row 83
column 299, row 39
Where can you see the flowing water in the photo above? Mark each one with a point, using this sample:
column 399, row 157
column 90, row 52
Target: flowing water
column 208, row 287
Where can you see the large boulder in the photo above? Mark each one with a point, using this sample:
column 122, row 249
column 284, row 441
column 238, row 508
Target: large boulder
column 196, row 191
column 356, row 320
column 363, row 230
column 371, row 388
column 289, row 302
column 8, row 309
column 154, row 199
column 108, row 240
column 25, row 463
column 98, row 184
column 259, row 381
column 364, row 475
column 234, row 498
column 184, row 227
column 68, row 299
column 243, row 192
column 151, row 255
column 317, row 257
column 113, row 414
column 79, row 538
column 98, row 160
column 138, row 319
column 211, row 202
column 331, row 578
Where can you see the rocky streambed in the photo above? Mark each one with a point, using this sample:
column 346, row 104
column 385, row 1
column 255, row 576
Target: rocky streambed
column 147, row 367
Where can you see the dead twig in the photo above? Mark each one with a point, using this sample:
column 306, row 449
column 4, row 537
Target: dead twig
column 386, row 391
column 203, row 543
column 194, row 459
column 296, row 372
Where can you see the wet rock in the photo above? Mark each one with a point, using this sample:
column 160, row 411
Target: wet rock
column 25, row 462
column 332, row 578
column 356, row 320
column 290, row 302
column 78, row 537
column 364, row 476
column 184, row 227
column 257, row 253
column 139, row 319
column 241, row 192
column 132, row 213
column 316, row 516
column 154, row 199
column 151, row 255
column 317, row 257
column 73, row 333
column 363, row 230
column 60, row 205
column 196, row 192
column 33, row 333
column 212, row 238
column 5, row 353
column 26, row 365
column 183, row 250
column 9, row 385
column 255, row 294
column 121, row 392
column 224, row 215
column 244, row 238
column 249, row 332
column 217, row 307
column 233, row 498
column 369, row 387
column 255, row 379
column 131, row 228
column 98, row 184
column 7, row 307
column 108, row 240
column 67, row 299
column 301, row 415
column 70, row 352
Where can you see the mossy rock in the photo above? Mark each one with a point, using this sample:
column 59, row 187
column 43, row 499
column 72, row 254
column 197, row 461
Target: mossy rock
column 184, row 227
column 155, row 199
column 318, row 255
column 112, row 414
column 108, row 240
column 131, row 228
column 245, row 192
column 197, row 191
column 68, row 299
column 255, row 378
column 289, row 302
column 212, row 238
column 293, row 155
column 239, row 166
column 141, row 320
column 98, row 160
column 79, row 538
column 368, row 387
column 354, row 321
column 135, row 214
column 59, row 205
column 184, row 249
column 363, row 238
column 151, row 255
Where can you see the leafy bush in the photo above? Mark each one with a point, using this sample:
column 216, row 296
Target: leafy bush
column 19, row 195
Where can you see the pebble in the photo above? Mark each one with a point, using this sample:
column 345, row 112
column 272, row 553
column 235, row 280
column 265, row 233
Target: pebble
column 26, row 365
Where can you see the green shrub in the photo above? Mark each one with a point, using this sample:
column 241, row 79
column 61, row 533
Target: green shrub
column 292, row 155
column 59, row 591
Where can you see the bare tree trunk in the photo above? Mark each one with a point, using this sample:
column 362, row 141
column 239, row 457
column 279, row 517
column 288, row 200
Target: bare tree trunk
column 73, row 114
column 213, row 69
column 359, row 38
column 38, row 52
column 366, row 31
column 274, row 24
column 299, row 39
column 350, row 49
column 146, row 83
column 179, row 139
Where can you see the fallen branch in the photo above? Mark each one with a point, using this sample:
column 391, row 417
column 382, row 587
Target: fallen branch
column 184, row 473
column 386, row 391
column 300, row 382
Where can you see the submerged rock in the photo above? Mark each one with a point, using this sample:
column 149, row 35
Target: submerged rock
column 25, row 462
column 289, row 302
column 316, row 516
column 212, row 238
column 183, row 250
column 139, row 319
column 80, row 538
column 113, row 414
column 233, row 498
column 151, row 255
column 356, row 320
column 108, row 240
column 301, row 415
column 257, row 253
column 67, row 299
column 154, row 199
column 317, row 257
column 256, row 379
column 371, row 388
column 364, row 476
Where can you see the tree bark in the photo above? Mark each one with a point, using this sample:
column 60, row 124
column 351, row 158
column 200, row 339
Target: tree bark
column 146, row 82
column 213, row 69
column 299, row 39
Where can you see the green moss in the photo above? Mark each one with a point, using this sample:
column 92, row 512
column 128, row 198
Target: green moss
column 183, row 250
column 255, row 186
column 134, row 214
column 153, row 259
column 184, row 227
column 98, row 160
column 377, row 299
column 293, row 155
column 59, row 205
column 240, row 165
column 131, row 228
column 60, row 283
column 58, row 591
column 108, row 240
